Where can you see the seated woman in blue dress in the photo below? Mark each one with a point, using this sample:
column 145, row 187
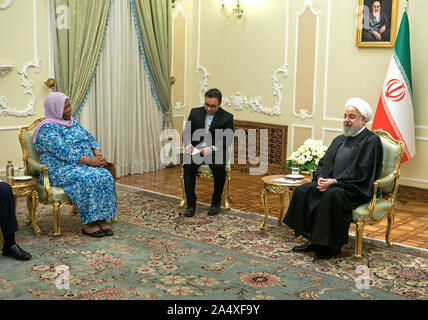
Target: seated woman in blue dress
column 76, row 165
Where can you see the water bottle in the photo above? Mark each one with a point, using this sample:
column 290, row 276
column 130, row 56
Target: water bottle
column 9, row 170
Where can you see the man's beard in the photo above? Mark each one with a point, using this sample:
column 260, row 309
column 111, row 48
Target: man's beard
column 349, row 132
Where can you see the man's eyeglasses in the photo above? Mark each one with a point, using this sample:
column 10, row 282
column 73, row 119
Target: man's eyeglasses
column 212, row 106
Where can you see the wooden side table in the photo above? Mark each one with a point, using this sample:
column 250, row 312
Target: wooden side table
column 278, row 187
column 24, row 188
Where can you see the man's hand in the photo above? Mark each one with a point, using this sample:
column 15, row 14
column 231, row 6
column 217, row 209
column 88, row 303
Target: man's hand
column 377, row 35
column 206, row 151
column 323, row 184
column 382, row 30
column 189, row 148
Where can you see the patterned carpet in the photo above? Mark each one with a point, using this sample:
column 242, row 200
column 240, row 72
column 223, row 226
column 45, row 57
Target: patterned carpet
column 157, row 254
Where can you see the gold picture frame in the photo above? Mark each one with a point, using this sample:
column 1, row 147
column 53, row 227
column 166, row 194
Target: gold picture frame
column 377, row 32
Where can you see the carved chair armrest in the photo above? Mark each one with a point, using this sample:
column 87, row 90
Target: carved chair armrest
column 380, row 183
column 42, row 168
column 37, row 165
column 383, row 182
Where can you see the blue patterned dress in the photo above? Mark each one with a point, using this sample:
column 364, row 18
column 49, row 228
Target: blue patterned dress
column 92, row 189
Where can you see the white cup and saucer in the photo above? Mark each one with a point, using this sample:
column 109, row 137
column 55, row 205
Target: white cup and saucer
column 20, row 175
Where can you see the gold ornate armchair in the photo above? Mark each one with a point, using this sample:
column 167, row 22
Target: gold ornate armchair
column 46, row 193
column 385, row 191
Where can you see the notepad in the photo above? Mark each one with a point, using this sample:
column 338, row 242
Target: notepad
column 283, row 180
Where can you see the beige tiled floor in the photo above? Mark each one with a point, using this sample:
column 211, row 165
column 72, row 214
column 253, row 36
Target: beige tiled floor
column 411, row 218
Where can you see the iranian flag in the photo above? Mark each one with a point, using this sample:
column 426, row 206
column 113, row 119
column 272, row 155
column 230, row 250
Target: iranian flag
column 394, row 112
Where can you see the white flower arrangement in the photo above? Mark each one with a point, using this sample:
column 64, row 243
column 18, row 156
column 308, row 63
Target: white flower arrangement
column 307, row 156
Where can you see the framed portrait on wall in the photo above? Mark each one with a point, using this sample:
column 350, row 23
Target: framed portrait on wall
column 377, row 23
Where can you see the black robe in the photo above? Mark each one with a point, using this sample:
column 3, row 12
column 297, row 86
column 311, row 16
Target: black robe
column 325, row 217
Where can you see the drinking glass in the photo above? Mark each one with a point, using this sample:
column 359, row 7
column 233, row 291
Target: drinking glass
column 294, row 168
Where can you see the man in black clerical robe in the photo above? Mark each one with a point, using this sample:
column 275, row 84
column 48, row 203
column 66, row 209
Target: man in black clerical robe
column 321, row 210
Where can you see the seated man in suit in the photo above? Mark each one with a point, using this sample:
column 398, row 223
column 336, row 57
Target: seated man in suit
column 8, row 224
column 321, row 210
column 206, row 138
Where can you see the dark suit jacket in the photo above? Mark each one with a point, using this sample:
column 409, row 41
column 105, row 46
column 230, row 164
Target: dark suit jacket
column 220, row 124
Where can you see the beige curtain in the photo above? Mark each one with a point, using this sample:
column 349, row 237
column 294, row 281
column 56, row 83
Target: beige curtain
column 153, row 23
column 121, row 111
column 80, row 39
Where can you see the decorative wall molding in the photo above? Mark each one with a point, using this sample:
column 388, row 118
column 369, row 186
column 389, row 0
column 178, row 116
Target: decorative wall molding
column 6, row 4
column 238, row 101
column 303, row 113
column 421, row 127
column 181, row 116
column 293, row 127
column 5, row 109
column 179, row 106
column 403, row 179
column 421, row 138
column 179, row 10
column 327, row 59
column 29, row 111
column 204, row 82
column 331, row 130
column 178, row 148
column 10, row 128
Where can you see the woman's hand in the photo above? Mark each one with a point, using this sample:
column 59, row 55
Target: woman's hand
column 103, row 161
column 98, row 154
column 96, row 161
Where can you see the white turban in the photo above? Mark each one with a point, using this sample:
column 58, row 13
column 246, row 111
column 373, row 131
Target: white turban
column 362, row 106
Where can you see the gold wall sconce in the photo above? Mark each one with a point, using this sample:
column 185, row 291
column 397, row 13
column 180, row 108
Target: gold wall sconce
column 51, row 84
column 228, row 11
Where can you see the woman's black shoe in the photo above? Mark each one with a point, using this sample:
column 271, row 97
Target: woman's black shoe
column 108, row 232
column 96, row 234
column 307, row 247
